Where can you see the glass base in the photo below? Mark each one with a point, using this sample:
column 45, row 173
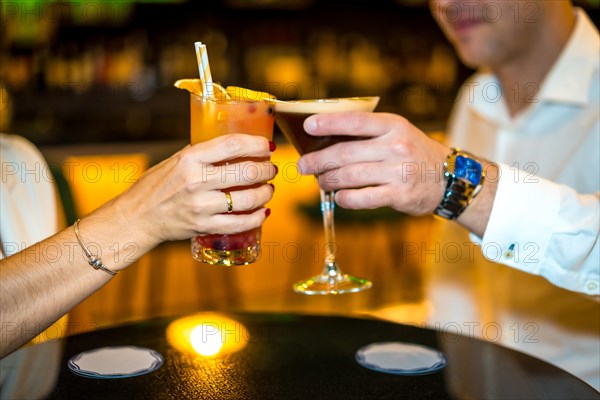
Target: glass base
column 326, row 284
column 227, row 250
column 243, row 256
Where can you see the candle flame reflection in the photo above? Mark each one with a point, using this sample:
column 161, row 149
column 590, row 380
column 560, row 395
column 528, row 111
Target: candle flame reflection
column 207, row 335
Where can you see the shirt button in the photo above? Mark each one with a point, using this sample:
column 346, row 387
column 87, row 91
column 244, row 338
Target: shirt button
column 591, row 285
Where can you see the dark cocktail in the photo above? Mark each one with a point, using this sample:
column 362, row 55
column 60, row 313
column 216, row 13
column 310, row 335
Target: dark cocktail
column 290, row 118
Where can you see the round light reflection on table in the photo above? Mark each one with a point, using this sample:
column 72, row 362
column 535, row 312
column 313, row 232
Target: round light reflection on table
column 205, row 345
column 207, row 335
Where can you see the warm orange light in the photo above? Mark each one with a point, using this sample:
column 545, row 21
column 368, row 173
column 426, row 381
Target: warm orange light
column 96, row 179
column 204, row 343
column 207, row 334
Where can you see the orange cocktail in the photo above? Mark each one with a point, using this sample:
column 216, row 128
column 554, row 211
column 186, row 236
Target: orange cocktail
column 218, row 116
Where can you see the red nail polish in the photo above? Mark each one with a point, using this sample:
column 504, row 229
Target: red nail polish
column 276, row 169
column 267, row 212
column 272, row 145
column 272, row 186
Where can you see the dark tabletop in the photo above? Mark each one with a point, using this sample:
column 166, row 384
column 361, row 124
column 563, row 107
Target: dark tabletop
column 289, row 356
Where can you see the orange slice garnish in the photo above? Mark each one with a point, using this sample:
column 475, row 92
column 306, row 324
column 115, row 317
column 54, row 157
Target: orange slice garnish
column 195, row 86
column 231, row 93
column 239, row 93
column 191, row 85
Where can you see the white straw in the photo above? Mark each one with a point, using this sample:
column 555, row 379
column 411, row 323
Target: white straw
column 204, row 70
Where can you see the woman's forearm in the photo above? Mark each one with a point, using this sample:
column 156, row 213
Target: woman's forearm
column 43, row 282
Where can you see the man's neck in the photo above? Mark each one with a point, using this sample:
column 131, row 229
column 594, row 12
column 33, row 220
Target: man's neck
column 521, row 77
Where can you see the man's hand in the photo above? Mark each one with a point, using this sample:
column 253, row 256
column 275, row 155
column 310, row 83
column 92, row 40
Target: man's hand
column 395, row 165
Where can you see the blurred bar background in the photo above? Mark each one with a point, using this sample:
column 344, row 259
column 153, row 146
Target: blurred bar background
column 102, row 71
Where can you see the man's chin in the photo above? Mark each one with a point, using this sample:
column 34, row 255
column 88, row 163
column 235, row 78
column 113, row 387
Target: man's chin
column 471, row 58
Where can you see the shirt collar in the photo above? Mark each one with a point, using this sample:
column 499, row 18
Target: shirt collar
column 568, row 81
column 570, row 78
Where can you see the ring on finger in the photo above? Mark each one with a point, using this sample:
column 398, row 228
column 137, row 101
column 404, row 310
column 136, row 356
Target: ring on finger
column 229, row 202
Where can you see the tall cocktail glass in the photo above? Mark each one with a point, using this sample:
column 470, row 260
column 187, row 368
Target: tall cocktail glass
column 290, row 118
column 214, row 117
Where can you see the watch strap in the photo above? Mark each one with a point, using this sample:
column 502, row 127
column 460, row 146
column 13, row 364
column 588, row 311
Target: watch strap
column 457, row 197
column 459, row 193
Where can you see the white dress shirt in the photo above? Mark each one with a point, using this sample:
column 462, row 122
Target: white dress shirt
column 546, row 214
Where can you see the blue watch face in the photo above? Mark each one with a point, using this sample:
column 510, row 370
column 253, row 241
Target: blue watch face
column 467, row 169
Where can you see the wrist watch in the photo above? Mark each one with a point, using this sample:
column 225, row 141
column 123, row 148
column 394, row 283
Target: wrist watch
column 465, row 177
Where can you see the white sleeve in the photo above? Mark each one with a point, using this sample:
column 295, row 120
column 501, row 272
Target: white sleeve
column 28, row 206
column 545, row 229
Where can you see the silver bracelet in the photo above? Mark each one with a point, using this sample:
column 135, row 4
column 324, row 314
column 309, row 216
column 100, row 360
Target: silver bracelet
column 94, row 261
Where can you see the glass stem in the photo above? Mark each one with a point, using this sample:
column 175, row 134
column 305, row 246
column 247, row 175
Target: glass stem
column 327, row 208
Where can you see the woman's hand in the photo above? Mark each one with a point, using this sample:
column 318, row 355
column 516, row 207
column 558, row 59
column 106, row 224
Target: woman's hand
column 183, row 196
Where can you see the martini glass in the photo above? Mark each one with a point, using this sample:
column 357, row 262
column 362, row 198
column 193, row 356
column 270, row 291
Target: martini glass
column 290, row 117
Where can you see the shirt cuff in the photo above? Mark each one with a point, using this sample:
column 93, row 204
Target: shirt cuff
column 525, row 210
column 524, row 217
